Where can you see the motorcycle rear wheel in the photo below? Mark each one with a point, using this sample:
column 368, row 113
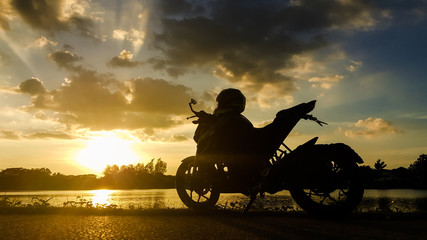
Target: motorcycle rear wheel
column 193, row 190
column 338, row 198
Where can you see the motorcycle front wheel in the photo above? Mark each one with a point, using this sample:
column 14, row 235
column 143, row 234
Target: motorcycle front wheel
column 193, row 189
column 338, row 194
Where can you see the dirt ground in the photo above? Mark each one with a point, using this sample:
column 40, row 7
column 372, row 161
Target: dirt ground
column 210, row 226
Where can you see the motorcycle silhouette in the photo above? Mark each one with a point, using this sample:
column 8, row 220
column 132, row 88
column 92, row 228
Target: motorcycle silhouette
column 323, row 179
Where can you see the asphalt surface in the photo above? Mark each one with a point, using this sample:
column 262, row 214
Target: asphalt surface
column 182, row 226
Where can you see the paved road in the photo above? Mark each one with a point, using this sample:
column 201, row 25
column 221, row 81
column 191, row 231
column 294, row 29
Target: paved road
column 55, row 226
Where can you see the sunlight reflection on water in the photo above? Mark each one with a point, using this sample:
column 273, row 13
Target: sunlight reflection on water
column 101, row 198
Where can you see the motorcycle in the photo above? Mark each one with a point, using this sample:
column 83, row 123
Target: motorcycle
column 323, row 179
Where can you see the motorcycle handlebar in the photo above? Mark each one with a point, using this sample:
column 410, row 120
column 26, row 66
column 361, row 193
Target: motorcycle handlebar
column 202, row 114
column 314, row 119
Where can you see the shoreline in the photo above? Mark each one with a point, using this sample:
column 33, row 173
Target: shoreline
column 188, row 212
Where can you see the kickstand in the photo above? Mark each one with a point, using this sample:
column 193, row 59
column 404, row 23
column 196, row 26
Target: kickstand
column 251, row 201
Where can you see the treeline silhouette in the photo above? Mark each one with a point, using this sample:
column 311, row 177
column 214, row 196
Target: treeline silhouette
column 151, row 175
column 414, row 177
column 131, row 176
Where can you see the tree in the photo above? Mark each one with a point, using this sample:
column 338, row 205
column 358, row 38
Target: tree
column 140, row 168
column 14, row 172
column 149, row 167
column 419, row 169
column 420, row 164
column 380, row 165
column 128, row 170
column 111, row 170
column 160, row 167
column 40, row 172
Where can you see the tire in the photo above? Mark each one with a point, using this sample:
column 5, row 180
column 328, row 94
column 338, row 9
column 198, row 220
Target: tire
column 193, row 190
column 338, row 189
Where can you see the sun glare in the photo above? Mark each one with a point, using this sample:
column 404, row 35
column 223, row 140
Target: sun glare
column 101, row 197
column 106, row 150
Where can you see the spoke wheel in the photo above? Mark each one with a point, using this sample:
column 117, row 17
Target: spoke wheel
column 337, row 191
column 193, row 189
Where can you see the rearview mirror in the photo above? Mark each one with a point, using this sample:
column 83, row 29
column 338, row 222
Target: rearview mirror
column 193, row 101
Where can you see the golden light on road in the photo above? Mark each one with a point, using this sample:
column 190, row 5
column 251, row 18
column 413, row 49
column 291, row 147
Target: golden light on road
column 106, row 150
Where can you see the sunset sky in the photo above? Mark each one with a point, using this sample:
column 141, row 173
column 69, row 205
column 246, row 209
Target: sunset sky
column 86, row 83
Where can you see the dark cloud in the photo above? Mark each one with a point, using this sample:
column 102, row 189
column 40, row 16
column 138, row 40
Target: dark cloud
column 11, row 135
column 66, row 60
column 68, row 47
column 83, row 25
column 100, row 102
column 41, row 14
column 32, row 86
column 180, row 7
column 49, row 15
column 4, row 22
column 49, row 135
column 248, row 41
column 171, row 138
column 179, row 138
column 148, row 121
column 124, row 60
column 159, row 96
column 90, row 97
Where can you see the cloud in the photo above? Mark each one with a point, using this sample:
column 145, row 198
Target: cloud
column 179, row 138
column 120, row 34
column 371, row 127
column 100, row 102
column 5, row 12
column 42, row 42
column 354, row 66
column 32, row 86
column 159, row 96
column 325, row 82
column 136, row 37
column 249, row 43
column 66, row 59
column 41, row 14
column 50, row 135
column 125, row 59
column 11, row 135
column 171, row 138
column 53, row 16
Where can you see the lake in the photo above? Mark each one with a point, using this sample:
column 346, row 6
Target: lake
column 402, row 200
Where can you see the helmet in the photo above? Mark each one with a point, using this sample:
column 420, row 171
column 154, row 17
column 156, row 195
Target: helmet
column 232, row 99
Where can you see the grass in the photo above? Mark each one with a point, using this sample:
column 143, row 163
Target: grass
column 82, row 206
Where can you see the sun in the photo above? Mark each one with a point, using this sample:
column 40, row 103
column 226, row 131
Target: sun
column 106, row 150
